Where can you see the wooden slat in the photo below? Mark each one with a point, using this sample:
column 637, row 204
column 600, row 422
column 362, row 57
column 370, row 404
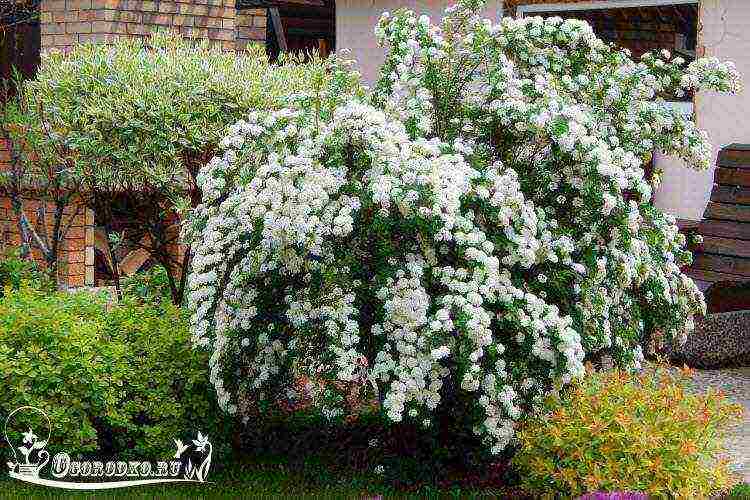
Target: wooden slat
column 731, row 194
column 725, row 211
column 734, row 156
column 722, row 264
column 725, row 246
column 724, row 254
column 101, row 242
column 725, row 229
column 732, row 177
column 712, row 276
column 132, row 262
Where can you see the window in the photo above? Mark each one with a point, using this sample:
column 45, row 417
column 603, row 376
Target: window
column 296, row 26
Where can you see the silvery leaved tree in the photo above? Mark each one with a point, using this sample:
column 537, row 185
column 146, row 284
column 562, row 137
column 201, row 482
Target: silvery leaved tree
column 461, row 241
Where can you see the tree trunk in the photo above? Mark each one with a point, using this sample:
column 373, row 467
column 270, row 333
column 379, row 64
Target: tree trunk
column 115, row 262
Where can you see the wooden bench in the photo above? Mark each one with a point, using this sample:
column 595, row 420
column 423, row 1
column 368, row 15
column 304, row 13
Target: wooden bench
column 724, row 254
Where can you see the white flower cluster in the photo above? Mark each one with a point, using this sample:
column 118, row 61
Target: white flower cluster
column 481, row 226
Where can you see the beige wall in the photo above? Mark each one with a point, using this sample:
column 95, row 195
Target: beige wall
column 356, row 20
column 726, row 118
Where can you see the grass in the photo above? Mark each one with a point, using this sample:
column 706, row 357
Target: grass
column 245, row 479
column 249, row 479
column 740, row 492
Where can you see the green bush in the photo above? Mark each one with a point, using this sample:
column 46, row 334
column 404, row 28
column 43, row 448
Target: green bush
column 53, row 356
column 740, row 492
column 618, row 432
column 15, row 272
column 168, row 392
column 115, row 382
column 149, row 286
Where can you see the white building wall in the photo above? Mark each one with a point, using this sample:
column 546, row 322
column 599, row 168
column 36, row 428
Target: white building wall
column 726, row 118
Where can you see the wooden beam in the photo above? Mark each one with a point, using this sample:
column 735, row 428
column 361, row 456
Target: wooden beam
column 722, row 264
column 725, row 246
column 278, row 28
column 323, row 47
column 132, row 262
column 687, row 225
column 734, row 157
column 712, row 276
column 102, row 243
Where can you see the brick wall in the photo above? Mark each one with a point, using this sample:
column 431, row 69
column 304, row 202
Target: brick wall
column 76, row 256
column 66, row 22
column 250, row 27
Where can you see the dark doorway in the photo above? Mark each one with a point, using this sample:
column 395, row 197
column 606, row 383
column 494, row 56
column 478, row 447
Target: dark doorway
column 298, row 26
column 20, row 39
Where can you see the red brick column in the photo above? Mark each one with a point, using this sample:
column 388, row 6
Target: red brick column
column 251, row 27
column 72, row 257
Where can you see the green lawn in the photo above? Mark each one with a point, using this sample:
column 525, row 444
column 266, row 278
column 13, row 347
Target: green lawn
column 248, row 479
column 740, row 492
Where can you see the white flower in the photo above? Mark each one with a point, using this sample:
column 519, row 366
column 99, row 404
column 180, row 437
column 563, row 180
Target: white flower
column 387, row 245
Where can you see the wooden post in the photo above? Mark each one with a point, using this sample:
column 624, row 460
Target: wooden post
column 278, row 28
column 323, row 47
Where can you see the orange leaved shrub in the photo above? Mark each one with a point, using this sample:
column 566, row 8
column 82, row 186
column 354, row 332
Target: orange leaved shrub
column 615, row 431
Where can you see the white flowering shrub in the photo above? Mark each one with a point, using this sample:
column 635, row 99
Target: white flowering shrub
column 473, row 232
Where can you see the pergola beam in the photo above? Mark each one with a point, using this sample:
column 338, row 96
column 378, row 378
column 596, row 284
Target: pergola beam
column 278, row 29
